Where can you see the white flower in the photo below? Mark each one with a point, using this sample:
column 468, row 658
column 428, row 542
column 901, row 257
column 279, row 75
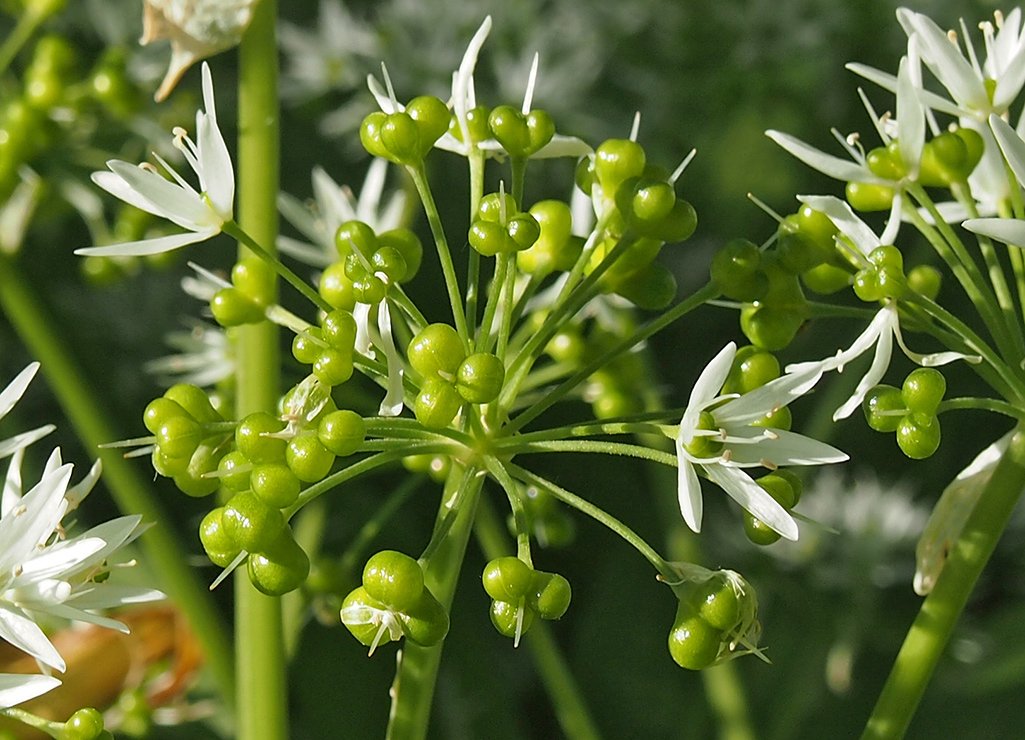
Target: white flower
column 205, row 357
column 203, row 214
column 333, row 206
column 743, row 445
column 881, row 331
column 43, row 574
column 10, row 396
column 464, row 99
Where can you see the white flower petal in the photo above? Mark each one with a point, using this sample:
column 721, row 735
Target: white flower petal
column 945, row 60
column 910, row 119
column 839, row 169
column 889, row 82
column 688, row 491
column 25, row 635
column 1011, row 145
column 779, row 447
column 767, row 398
column 23, row 440
column 16, row 388
column 753, row 498
column 147, row 247
column 880, row 362
column 186, row 208
column 16, row 688
column 845, row 220
column 1009, row 231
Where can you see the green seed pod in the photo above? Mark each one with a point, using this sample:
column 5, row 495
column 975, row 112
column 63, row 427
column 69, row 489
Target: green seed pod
column 511, row 620
column 426, row 622
column 282, row 568
column 884, row 408
column 550, row 595
column 275, row 483
column 717, row 603
column 252, row 441
column 508, row 579
column 436, row 351
column 219, row 547
column 693, row 643
column 310, row 460
column 480, row 377
column 394, row 579
column 342, row 432
column 252, row 524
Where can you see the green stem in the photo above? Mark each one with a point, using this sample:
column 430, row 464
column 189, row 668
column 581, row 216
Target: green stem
column 253, row 245
column 260, row 660
column 27, row 24
column 598, row 447
column 417, row 671
column 599, row 515
column 682, row 308
column 932, row 628
column 130, row 490
column 444, row 253
column 567, row 701
column 987, row 404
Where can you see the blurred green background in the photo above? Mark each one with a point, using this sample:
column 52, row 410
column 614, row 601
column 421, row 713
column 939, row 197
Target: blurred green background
column 706, row 75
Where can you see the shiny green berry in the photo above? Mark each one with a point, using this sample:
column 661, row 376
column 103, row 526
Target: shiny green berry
column 918, row 435
column 511, row 620
column 480, row 377
column 85, row 724
column 758, row 531
column 436, row 351
column 752, row 368
column 282, row 568
column 342, row 432
column 251, row 523
column 219, row 547
column 550, row 595
column 252, row 440
column 395, row 579
column 884, row 408
column 716, row 602
column 616, row 160
column 179, row 436
column 437, row 403
column 233, row 471
column 160, row 410
column 736, row 272
column 275, row 483
column 365, row 618
column 425, row 622
column 925, row 280
column 310, row 460
column 195, row 401
column 923, row 390
column 508, row 579
column 693, row 643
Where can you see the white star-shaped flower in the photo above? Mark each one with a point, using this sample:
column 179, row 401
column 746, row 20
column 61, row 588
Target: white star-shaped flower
column 42, row 573
column 728, row 422
column 202, row 213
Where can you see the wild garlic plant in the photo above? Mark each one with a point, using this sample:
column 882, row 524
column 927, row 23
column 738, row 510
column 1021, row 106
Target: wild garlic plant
column 547, row 303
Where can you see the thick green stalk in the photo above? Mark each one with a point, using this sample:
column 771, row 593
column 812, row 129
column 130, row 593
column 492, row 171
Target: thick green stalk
column 572, row 713
column 260, row 664
column 932, row 628
column 130, row 490
column 413, row 689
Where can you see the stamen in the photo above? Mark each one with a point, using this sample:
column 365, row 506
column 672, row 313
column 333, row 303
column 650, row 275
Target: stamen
column 388, row 86
column 528, row 96
column 682, row 166
column 727, row 455
column 768, row 464
column 635, row 129
column 998, row 18
column 148, row 167
column 765, row 207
